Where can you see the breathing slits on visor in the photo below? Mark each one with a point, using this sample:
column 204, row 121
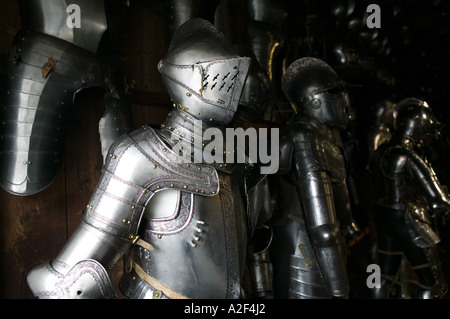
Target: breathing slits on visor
column 218, row 82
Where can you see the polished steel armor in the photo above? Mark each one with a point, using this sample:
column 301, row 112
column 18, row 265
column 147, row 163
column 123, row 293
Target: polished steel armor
column 308, row 251
column 48, row 64
column 410, row 192
column 183, row 225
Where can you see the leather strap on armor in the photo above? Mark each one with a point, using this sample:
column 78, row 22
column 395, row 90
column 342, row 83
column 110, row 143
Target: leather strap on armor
column 156, row 284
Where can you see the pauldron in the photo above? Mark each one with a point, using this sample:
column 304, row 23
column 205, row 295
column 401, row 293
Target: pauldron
column 140, row 165
column 314, row 147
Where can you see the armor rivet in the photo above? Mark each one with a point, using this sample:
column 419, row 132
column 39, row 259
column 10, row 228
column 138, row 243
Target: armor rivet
column 178, row 132
column 198, row 113
column 192, row 139
column 156, row 142
column 159, row 236
column 129, row 222
column 210, row 171
column 184, row 121
column 158, row 187
column 144, row 191
column 157, row 294
column 133, row 207
column 199, row 169
column 213, row 192
column 124, row 220
column 154, row 166
column 188, row 94
column 174, row 105
column 188, row 165
column 185, row 186
column 171, row 185
column 220, row 165
column 196, row 190
column 164, row 150
column 210, row 120
column 170, row 127
column 202, row 192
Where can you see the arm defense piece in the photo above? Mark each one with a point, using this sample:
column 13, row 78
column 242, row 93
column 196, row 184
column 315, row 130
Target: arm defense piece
column 86, row 280
column 259, row 265
column 323, row 230
column 54, row 18
column 37, row 92
column 139, row 165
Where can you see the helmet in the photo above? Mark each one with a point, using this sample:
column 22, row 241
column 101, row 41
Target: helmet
column 414, row 119
column 203, row 73
column 256, row 93
column 314, row 89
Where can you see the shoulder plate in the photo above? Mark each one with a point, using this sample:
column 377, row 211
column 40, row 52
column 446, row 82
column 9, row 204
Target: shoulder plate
column 312, row 149
column 138, row 166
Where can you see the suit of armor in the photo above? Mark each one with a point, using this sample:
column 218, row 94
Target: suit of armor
column 410, row 191
column 50, row 60
column 308, row 248
column 183, row 224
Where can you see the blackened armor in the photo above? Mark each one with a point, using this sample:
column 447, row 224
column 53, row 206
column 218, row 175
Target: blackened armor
column 308, row 247
column 410, row 193
column 48, row 64
column 182, row 224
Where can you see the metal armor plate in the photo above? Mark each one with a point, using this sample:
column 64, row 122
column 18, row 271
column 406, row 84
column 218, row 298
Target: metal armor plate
column 86, row 280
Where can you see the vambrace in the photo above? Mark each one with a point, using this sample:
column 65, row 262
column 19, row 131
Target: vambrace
column 315, row 190
column 259, row 265
column 329, row 252
column 427, row 181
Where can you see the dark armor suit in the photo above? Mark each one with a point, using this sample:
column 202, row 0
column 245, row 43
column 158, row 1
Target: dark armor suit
column 308, row 247
column 410, row 193
column 50, row 61
column 183, row 224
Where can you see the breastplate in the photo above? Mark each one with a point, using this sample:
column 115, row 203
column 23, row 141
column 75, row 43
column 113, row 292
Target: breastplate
column 199, row 241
